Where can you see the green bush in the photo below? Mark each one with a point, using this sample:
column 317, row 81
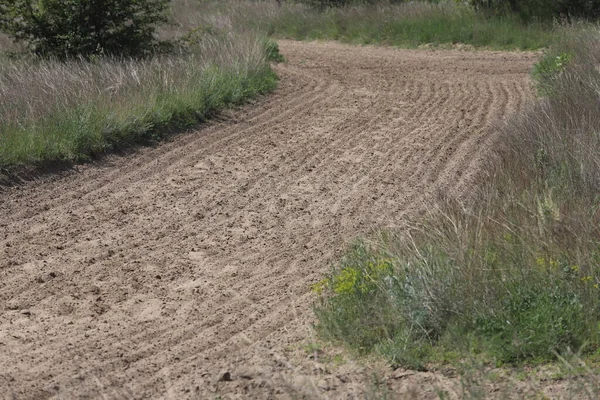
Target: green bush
column 492, row 298
column 70, row 28
column 541, row 9
column 548, row 69
column 272, row 51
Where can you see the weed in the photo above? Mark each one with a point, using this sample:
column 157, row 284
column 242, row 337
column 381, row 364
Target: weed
column 272, row 51
column 548, row 69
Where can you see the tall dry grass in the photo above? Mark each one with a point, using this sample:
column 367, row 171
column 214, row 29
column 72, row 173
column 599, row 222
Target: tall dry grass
column 34, row 89
column 70, row 111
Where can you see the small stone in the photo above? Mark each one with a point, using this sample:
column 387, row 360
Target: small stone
column 225, row 377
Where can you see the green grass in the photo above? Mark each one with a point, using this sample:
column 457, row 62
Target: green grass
column 77, row 133
column 412, row 25
column 511, row 277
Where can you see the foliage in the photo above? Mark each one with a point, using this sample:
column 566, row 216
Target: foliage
column 110, row 103
column 102, row 103
column 541, row 9
column 548, row 69
column 414, row 309
column 409, row 25
column 272, row 51
column 70, row 28
column 322, row 4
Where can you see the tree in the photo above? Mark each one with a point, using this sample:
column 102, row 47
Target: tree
column 70, row 28
column 541, row 9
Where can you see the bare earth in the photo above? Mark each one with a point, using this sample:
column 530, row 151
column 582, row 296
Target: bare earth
column 184, row 271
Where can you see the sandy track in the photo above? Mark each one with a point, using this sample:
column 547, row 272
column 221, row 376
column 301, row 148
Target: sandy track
column 147, row 276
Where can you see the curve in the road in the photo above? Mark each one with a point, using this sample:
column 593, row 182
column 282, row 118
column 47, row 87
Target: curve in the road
column 147, row 275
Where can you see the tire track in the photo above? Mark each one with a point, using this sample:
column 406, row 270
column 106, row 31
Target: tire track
column 110, row 183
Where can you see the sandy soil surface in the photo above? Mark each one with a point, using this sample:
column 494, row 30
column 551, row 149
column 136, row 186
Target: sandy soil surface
column 184, row 271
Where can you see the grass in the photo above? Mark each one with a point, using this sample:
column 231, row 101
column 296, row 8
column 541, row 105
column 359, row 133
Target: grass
column 513, row 276
column 72, row 111
column 409, row 24
column 412, row 25
column 115, row 103
column 406, row 25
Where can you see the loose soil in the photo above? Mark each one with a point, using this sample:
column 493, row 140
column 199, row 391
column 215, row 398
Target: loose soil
column 185, row 270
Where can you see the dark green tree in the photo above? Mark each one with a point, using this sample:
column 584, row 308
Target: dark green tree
column 541, row 9
column 71, row 28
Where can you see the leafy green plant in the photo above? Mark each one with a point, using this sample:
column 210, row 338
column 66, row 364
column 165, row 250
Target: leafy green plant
column 272, row 51
column 548, row 69
column 70, row 28
column 492, row 298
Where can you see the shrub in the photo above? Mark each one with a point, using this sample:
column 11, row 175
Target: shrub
column 69, row 28
column 548, row 69
column 541, row 9
column 272, row 51
column 491, row 297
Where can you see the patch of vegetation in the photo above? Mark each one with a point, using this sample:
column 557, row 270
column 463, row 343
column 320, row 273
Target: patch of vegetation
column 272, row 51
column 548, row 69
column 484, row 299
column 512, row 277
column 83, row 92
column 144, row 115
column 529, row 10
column 410, row 25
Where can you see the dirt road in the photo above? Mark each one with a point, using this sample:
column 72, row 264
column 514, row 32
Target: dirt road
column 150, row 275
